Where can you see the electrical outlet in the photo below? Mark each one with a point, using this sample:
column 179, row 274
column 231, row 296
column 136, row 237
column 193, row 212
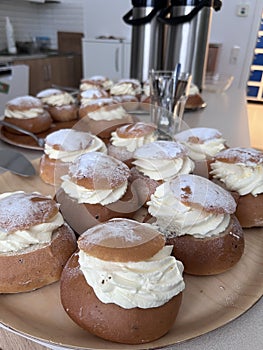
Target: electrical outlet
column 242, row 10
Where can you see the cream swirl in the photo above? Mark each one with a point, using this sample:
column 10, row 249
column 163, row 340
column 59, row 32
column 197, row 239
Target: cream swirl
column 201, row 143
column 20, row 239
column 144, row 284
column 164, row 169
column 61, row 99
column 239, row 177
column 108, row 114
column 84, row 195
column 24, row 114
column 131, row 143
column 126, row 87
column 173, row 217
column 203, row 150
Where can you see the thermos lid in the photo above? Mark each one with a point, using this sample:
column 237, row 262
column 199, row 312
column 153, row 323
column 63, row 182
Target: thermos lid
column 149, row 3
column 216, row 4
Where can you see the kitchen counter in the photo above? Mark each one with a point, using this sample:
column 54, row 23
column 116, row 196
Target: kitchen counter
column 226, row 112
column 9, row 59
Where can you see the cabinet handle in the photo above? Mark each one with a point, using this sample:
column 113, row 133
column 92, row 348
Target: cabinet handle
column 49, row 71
column 45, row 72
column 117, row 59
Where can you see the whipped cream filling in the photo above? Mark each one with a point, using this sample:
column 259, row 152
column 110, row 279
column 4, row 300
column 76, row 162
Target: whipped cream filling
column 200, row 151
column 144, row 284
column 239, row 177
column 58, row 99
column 26, row 114
column 175, row 218
column 131, row 144
column 65, row 156
column 83, row 195
column 106, row 114
column 20, row 239
column 193, row 90
column 164, row 169
column 125, row 89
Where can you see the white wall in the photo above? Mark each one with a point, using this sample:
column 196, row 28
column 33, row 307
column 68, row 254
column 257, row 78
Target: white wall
column 31, row 19
column 105, row 18
column 231, row 30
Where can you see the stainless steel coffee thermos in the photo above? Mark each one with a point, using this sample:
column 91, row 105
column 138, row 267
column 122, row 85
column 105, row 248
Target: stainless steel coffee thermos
column 147, row 37
column 165, row 33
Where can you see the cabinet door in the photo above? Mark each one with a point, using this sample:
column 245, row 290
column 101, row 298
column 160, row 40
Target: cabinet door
column 103, row 58
column 56, row 70
column 39, row 74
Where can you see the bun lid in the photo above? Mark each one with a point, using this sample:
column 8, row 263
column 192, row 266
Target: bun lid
column 138, row 129
column 50, row 92
column 198, row 135
column 20, row 210
column 247, row 156
column 161, row 150
column 24, row 103
column 197, row 191
column 121, row 240
column 96, row 170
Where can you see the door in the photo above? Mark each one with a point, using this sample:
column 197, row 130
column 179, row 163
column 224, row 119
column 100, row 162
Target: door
column 103, row 57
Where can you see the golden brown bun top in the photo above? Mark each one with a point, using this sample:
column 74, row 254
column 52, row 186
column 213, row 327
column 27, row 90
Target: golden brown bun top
column 198, row 135
column 23, row 210
column 121, row 240
column 23, row 103
column 96, row 171
column 135, row 130
column 201, row 193
column 161, row 150
column 240, row 155
column 68, row 139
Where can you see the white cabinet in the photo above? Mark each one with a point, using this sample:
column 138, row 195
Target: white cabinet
column 109, row 57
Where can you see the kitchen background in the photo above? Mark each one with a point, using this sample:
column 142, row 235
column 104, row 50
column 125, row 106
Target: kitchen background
column 236, row 34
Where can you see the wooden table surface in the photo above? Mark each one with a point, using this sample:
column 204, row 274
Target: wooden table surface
column 11, row 341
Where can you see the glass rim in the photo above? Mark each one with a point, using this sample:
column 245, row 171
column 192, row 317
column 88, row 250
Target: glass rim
column 168, row 73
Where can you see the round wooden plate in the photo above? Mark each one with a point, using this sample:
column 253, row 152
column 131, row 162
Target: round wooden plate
column 208, row 302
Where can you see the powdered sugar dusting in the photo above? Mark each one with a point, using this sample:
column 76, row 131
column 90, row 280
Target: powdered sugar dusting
column 94, row 93
column 198, row 135
column 197, row 190
column 49, row 92
column 70, row 140
column 246, row 156
column 160, row 150
column 24, row 102
column 100, row 168
column 22, row 210
column 119, row 233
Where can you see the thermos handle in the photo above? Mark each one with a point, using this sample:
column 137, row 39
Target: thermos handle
column 179, row 19
column 139, row 21
column 117, row 60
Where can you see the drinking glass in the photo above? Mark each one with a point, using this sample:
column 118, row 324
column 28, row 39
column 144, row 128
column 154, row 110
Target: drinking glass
column 168, row 94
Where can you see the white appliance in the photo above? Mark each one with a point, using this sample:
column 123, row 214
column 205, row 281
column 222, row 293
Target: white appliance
column 14, row 82
column 110, row 58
